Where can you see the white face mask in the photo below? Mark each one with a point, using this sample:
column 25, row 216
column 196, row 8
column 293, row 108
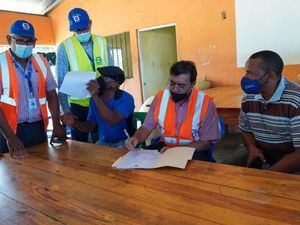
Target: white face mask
column 83, row 37
column 23, row 51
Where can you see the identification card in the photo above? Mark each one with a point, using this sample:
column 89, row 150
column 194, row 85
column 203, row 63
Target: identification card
column 32, row 104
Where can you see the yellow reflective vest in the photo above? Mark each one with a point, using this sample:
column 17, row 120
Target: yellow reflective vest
column 79, row 61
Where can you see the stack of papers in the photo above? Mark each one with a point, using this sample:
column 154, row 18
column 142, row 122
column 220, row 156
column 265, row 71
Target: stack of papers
column 150, row 159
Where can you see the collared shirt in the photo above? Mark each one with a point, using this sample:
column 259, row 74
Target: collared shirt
column 274, row 123
column 208, row 131
column 63, row 66
column 107, row 132
column 24, row 113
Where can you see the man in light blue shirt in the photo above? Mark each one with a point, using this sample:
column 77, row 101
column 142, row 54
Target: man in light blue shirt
column 86, row 48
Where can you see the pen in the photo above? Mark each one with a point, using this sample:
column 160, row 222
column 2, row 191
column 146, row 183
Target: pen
column 126, row 133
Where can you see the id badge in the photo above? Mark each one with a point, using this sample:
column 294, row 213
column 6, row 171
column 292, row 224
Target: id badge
column 32, row 104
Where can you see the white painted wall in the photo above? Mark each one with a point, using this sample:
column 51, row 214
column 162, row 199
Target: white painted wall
column 268, row 24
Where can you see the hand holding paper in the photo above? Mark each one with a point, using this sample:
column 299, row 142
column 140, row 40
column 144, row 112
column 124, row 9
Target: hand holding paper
column 74, row 84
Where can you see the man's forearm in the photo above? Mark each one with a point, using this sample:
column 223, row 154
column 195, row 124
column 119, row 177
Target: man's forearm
column 4, row 126
column 200, row 145
column 53, row 106
column 141, row 134
column 84, row 126
column 106, row 113
column 63, row 100
column 249, row 140
column 288, row 164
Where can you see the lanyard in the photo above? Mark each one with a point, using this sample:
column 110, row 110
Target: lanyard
column 91, row 60
column 26, row 75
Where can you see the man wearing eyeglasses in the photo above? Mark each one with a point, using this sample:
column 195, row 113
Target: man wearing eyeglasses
column 26, row 84
column 82, row 51
column 185, row 116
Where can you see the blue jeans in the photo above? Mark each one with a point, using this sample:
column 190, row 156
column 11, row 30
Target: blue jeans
column 119, row 144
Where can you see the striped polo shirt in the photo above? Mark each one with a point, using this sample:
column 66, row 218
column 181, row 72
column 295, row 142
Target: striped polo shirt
column 275, row 124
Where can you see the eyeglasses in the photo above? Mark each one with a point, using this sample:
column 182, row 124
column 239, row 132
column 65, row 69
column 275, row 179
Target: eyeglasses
column 172, row 85
column 23, row 41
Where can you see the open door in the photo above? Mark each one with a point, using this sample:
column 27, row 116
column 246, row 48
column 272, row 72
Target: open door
column 157, row 52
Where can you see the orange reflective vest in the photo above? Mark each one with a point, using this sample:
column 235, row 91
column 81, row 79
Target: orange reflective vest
column 9, row 99
column 165, row 116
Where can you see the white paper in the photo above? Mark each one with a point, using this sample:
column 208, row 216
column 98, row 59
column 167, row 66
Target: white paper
column 149, row 159
column 138, row 159
column 74, row 84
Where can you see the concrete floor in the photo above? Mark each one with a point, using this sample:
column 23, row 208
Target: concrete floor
column 231, row 150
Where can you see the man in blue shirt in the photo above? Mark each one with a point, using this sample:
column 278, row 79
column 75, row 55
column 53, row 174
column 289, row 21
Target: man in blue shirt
column 110, row 108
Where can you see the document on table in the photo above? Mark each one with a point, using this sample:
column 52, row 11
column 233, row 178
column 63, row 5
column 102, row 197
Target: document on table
column 74, row 84
column 150, row 159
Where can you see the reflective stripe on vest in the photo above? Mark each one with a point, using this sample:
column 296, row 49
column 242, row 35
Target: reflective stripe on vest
column 44, row 71
column 196, row 101
column 173, row 141
column 41, row 64
column 5, row 74
column 103, row 50
column 79, row 61
column 9, row 98
column 72, row 56
column 196, row 117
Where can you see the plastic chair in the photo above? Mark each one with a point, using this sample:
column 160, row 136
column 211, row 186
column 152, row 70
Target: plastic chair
column 212, row 146
column 138, row 118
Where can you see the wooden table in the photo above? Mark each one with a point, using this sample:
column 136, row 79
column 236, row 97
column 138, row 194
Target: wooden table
column 75, row 184
column 228, row 102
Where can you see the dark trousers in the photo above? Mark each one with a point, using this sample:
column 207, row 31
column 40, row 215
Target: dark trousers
column 81, row 113
column 29, row 133
column 198, row 155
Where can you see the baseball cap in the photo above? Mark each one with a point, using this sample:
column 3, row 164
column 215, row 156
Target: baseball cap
column 22, row 28
column 112, row 72
column 78, row 19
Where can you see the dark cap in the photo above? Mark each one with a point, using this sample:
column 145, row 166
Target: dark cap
column 112, row 72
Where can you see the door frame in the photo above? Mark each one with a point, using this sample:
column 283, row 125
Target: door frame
column 139, row 51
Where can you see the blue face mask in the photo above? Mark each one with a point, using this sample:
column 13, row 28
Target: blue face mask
column 23, row 51
column 83, row 37
column 251, row 86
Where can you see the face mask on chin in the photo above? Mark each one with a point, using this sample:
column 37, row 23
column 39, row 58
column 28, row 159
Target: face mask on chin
column 23, row 51
column 83, row 37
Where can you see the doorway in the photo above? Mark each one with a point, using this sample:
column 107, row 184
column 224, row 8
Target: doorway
column 157, row 52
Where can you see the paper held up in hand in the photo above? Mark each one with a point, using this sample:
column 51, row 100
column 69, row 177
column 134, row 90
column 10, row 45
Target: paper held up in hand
column 74, row 84
column 150, row 159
